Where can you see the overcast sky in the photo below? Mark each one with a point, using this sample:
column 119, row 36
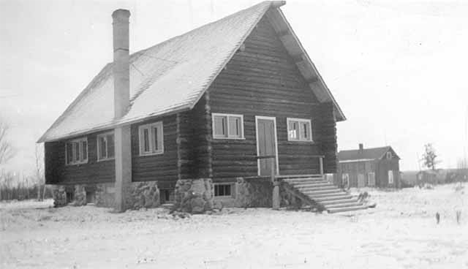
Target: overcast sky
column 397, row 68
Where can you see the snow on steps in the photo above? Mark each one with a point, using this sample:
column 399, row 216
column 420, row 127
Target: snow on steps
column 314, row 189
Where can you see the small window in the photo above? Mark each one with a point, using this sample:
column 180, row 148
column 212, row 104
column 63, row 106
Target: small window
column 389, row 155
column 223, row 190
column 151, row 139
column 227, row 126
column 105, row 146
column 299, row 130
column 76, row 151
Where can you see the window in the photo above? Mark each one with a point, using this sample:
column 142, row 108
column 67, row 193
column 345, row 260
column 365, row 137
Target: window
column 223, row 190
column 228, row 126
column 299, row 130
column 76, row 151
column 105, row 146
column 371, row 179
column 389, row 155
column 151, row 138
column 390, row 177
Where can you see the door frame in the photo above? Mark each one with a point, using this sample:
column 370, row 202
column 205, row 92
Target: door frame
column 276, row 141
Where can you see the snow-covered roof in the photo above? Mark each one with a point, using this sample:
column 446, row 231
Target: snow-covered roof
column 365, row 154
column 172, row 76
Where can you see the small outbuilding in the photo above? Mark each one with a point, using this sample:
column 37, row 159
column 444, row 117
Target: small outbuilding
column 373, row 167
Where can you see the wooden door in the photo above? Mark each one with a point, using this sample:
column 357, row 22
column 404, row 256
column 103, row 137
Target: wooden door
column 266, row 144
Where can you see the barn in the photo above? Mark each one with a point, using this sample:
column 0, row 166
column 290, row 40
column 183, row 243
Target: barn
column 218, row 111
column 371, row 167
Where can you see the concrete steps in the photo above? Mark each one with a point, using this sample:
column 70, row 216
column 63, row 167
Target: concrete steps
column 322, row 192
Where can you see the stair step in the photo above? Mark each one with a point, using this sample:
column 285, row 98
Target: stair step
column 316, row 188
column 312, row 184
column 346, row 209
column 306, row 179
column 320, row 195
column 330, row 198
column 316, row 193
column 343, row 205
column 336, row 201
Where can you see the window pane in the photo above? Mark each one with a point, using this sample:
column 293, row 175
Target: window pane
column 293, row 130
column 84, row 145
column 102, row 147
column 110, row 146
column 305, row 130
column 69, row 153
column 76, row 151
column 235, row 126
column 155, row 136
column 220, row 126
column 146, row 147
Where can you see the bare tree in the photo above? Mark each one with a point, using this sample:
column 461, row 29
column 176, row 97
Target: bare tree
column 6, row 149
column 39, row 156
column 429, row 157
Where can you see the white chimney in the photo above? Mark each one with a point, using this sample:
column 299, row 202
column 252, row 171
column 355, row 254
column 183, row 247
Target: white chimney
column 122, row 134
column 121, row 67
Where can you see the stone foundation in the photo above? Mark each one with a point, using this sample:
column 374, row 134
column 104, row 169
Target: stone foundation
column 105, row 195
column 253, row 193
column 141, row 195
column 60, row 196
column 194, row 195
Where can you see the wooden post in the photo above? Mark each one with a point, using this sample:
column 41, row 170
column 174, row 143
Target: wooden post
column 321, row 165
column 276, row 198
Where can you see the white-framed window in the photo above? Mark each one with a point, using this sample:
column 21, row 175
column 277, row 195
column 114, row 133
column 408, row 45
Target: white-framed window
column 389, row 155
column 224, row 190
column 105, row 146
column 76, row 151
column 228, row 126
column 151, row 138
column 299, row 129
column 390, row 177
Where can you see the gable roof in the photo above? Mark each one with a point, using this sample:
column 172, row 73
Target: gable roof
column 366, row 154
column 172, row 76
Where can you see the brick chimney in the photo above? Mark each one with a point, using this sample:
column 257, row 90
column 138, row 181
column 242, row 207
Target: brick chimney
column 361, row 148
column 122, row 137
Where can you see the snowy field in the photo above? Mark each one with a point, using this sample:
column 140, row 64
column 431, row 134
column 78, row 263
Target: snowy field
column 401, row 232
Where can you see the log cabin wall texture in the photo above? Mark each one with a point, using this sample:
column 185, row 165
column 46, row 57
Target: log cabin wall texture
column 263, row 80
column 93, row 171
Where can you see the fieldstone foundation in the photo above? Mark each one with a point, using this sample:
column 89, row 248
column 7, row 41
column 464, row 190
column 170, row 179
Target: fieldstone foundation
column 60, row 196
column 105, row 195
column 254, row 193
column 194, row 195
column 143, row 195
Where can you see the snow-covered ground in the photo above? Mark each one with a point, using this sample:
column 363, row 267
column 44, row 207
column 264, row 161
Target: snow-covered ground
column 401, row 232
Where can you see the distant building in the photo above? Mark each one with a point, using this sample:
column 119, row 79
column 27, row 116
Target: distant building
column 373, row 167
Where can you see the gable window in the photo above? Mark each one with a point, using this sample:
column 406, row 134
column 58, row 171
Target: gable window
column 76, row 151
column 151, row 137
column 228, row 126
column 389, row 155
column 105, row 146
column 299, row 130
